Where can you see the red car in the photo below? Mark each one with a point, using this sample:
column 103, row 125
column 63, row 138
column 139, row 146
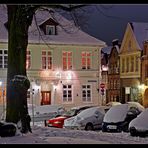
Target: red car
column 59, row 121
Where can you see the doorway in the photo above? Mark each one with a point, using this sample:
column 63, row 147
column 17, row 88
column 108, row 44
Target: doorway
column 46, row 97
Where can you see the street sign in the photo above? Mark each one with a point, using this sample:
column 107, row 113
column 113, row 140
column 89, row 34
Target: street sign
column 102, row 91
column 102, row 85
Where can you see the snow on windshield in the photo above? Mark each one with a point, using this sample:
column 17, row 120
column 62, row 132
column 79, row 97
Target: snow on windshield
column 116, row 113
column 90, row 111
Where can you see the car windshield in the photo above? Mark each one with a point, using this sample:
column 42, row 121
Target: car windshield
column 116, row 113
column 70, row 112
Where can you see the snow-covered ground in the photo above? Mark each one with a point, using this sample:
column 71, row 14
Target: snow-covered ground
column 50, row 135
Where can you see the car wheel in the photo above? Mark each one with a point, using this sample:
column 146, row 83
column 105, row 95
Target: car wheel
column 89, row 127
column 104, row 129
column 133, row 131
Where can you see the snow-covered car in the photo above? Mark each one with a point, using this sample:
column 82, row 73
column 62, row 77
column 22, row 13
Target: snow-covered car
column 118, row 117
column 110, row 104
column 88, row 119
column 7, row 129
column 139, row 125
column 45, row 112
column 113, row 103
column 59, row 121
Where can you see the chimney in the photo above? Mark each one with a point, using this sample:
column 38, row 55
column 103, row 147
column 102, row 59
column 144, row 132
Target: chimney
column 115, row 42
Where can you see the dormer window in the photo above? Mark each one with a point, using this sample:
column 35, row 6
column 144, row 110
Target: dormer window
column 50, row 30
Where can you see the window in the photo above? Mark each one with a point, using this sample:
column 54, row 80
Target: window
column 46, row 60
column 67, row 60
column 28, row 59
column 86, row 60
column 146, row 71
column 129, row 45
column 127, row 64
column 86, row 93
column 123, row 65
column 50, row 30
column 3, row 58
column 132, row 64
column 67, row 93
column 137, row 64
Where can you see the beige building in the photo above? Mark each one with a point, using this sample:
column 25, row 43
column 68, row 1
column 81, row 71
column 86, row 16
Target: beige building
column 62, row 62
column 130, row 61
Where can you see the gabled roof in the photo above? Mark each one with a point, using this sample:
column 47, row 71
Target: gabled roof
column 67, row 32
column 140, row 30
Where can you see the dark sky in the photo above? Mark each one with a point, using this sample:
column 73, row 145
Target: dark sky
column 108, row 22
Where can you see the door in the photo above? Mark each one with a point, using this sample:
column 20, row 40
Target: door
column 46, row 97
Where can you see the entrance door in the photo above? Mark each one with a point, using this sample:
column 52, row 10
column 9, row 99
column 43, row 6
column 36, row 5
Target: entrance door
column 46, row 97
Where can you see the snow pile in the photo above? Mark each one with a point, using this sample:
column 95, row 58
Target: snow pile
column 49, row 135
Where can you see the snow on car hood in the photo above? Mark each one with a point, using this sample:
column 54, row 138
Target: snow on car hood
column 116, row 114
column 141, row 122
column 70, row 121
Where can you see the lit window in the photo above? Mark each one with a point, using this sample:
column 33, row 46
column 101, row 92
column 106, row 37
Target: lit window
column 3, row 58
column 67, row 60
column 86, row 93
column 86, row 60
column 28, row 59
column 46, row 60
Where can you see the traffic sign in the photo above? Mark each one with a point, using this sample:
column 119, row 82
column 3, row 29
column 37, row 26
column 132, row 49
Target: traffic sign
column 102, row 85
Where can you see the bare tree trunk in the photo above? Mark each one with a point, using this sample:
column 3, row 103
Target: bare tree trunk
column 19, row 20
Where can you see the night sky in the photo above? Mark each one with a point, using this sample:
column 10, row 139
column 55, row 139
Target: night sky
column 109, row 21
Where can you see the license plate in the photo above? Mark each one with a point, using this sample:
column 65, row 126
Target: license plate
column 112, row 127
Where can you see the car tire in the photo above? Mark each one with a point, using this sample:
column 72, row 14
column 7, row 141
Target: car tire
column 104, row 129
column 89, row 127
column 133, row 131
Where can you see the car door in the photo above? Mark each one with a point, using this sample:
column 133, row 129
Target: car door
column 98, row 118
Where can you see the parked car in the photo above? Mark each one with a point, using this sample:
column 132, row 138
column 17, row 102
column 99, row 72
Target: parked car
column 118, row 117
column 110, row 104
column 88, row 119
column 45, row 112
column 113, row 103
column 139, row 125
column 59, row 121
column 7, row 129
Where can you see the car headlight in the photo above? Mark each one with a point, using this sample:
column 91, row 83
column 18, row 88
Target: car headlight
column 57, row 122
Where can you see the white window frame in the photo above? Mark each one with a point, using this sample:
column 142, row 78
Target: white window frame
column 86, row 58
column 68, row 67
column 48, row 58
column 50, row 28
column 86, row 98
column 66, row 99
column 4, row 62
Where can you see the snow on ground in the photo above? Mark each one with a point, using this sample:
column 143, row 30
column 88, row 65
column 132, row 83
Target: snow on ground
column 50, row 135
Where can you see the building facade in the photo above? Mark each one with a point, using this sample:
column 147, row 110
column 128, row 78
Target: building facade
column 130, row 61
column 62, row 62
column 113, row 73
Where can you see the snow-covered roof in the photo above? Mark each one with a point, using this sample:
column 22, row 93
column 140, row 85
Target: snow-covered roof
column 107, row 49
column 140, row 30
column 67, row 32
